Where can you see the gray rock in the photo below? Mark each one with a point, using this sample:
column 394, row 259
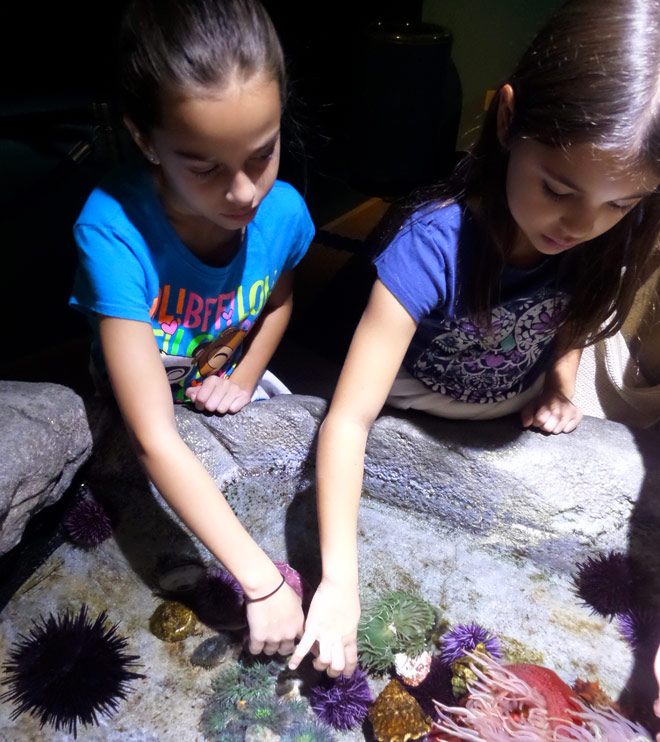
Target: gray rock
column 554, row 499
column 46, row 439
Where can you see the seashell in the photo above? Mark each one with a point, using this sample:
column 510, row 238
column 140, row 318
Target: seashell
column 412, row 670
column 210, row 652
column 172, row 621
column 396, row 716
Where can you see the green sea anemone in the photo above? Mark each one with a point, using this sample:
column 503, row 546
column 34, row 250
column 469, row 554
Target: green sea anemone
column 308, row 730
column 245, row 682
column 398, row 622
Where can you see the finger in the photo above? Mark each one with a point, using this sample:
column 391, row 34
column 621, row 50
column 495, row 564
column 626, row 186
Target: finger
column 255, row 646
column 227, row 398
column 286, row 647
column 543, row 414
column 204, row 392
column 562, row 420
column 571, row 425
column 324, row 657
column 304, row 645
column 350, row 652
column 527, row 414
column 191, row 392
column 239, row 402
column 338, row 661
column 216, row 400
column 271, row 648
column 548, row 423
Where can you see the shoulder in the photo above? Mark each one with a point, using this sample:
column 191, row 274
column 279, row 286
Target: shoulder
column 117, row 199
column 283, row 200
column 418, row 266
column 431, row 233
column 436, row 222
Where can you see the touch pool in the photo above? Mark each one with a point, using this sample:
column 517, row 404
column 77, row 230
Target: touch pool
column 486, row 523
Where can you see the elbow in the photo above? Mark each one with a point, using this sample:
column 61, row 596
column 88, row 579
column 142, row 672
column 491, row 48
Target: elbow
column 154, row 443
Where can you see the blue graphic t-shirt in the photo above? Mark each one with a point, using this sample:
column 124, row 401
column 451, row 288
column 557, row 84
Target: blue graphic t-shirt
column 133, row 265
column 429, row 267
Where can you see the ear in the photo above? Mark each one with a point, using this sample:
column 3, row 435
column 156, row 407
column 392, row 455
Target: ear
column 504, row 113
column 141, row 140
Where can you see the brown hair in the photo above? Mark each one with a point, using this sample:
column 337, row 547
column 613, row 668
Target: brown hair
column 591, row 75
column 192, row 44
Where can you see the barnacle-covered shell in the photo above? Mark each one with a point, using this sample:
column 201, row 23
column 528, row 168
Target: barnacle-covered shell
column 396, row 716
column 412, row 670
column 172, row 621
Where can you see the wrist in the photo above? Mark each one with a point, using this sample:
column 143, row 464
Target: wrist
column 259, row 580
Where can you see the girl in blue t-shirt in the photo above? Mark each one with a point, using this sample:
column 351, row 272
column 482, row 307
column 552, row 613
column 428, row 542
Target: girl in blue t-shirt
column 495, row 280
column 186, row 262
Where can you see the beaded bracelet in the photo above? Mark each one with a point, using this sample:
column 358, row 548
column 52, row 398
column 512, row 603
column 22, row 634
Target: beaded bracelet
column 263, row 597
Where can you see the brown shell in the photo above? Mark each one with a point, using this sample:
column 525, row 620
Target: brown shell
column 172, row 621
column 396, row 716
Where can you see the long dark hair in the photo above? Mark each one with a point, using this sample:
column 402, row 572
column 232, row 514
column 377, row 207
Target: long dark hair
column 192, row 45
column 591, row 75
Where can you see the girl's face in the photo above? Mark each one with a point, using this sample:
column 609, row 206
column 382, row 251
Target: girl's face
column 562, row 197
column 217, row 153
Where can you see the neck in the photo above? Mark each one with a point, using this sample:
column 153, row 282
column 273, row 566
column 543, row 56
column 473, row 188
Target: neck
column 210, row 243
column 523, row 254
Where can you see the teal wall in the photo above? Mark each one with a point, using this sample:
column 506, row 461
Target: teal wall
column 489, row 36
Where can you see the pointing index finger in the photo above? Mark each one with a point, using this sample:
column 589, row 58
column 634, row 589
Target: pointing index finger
column 304, row 645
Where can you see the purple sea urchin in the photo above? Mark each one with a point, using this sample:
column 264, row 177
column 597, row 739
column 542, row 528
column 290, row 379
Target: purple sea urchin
column 87, row 523
column 68, row 670
column 606, row 583
column 640, row 627
column 342, row 702
column 465, row 638
column 436, row 686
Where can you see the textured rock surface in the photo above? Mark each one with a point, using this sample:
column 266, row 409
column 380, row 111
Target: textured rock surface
column 45, row 440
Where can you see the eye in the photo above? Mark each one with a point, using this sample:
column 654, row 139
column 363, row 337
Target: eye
column 622, row 207
column 266, row 155
column 551, row 193
column 207, row 173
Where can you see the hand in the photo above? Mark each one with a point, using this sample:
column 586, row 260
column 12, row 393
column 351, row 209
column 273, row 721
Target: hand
column 552, row 412
column 275, row 623
column 220, row 395
column 332, row 625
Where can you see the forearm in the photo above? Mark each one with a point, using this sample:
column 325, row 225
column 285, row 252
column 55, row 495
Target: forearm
column 193, row 495
column 340, row 466
column 263, row 341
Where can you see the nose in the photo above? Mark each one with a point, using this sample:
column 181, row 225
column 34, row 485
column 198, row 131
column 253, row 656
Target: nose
column 241, row 190
column 579, row 221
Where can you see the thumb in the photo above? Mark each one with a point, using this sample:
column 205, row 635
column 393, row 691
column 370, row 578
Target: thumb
column 527, row 413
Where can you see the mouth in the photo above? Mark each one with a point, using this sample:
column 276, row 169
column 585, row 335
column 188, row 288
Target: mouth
column 559, row 244
column 242, row 214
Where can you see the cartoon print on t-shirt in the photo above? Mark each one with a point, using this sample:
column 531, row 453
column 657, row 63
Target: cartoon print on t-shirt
column 214, row 356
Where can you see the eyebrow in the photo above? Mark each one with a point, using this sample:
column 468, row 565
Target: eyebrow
column 191, row 155
column 569, row 184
